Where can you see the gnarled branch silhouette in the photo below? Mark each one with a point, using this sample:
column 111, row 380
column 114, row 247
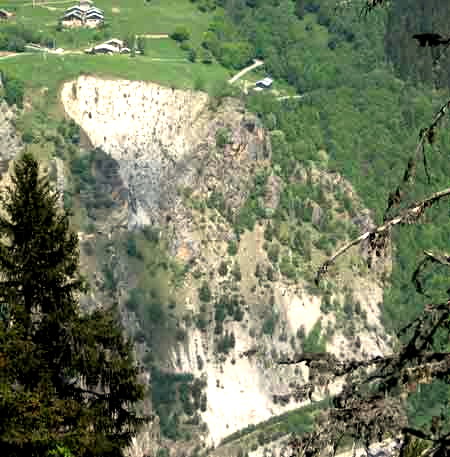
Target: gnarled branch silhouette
column 430, row 258
column 378, row 235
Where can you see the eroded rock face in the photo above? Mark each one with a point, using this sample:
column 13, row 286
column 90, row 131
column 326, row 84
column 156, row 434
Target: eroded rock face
column 146, row 128
column 160, row 137
column 241, row 387
column 10, row 143
column 165, row 143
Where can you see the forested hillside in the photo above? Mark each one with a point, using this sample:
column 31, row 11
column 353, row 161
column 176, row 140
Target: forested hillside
column 369, row 88
column 350, row 95
column 407, row 18
column 354, row 106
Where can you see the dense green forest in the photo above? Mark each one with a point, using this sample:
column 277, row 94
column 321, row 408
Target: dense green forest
column 355, row 107
column 368, row 90
column 406, row 18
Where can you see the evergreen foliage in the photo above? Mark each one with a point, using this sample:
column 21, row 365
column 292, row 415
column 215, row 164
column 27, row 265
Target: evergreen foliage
column 314, row 342
column 204, row 293
column 226, row 342
column 180, row 34
column 13, row 90
column 15, row 36
column 270, row 323
column 174, row 395
column 410, row 60
column 67, row 380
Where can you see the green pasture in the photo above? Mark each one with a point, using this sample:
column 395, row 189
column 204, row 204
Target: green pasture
column 49, row 71
column 123, row 18
column 163, row 48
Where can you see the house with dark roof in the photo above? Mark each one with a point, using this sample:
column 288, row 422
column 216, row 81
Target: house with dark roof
column 73, row 18
column 5, row 15
column 83, row 15
column 265, row 83
column 112, row 46
column 93, row 18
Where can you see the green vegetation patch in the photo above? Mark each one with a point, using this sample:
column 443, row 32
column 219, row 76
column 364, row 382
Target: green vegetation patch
column 122, row 18
column 52, row 70
column 297, row 421
column 174, row 396
column 314, row 341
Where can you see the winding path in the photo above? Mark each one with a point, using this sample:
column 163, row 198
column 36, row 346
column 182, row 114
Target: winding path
column 74, row 52
column 290, row 97
column 15, row 54
column 57, row 2
column 256, row 63
column 154, row 36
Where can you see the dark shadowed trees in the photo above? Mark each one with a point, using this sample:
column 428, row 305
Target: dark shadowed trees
column 67, row 380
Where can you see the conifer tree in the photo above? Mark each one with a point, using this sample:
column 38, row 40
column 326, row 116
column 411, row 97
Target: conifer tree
column 68, row 380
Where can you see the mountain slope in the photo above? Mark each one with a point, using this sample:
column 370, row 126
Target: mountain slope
column 234, row 322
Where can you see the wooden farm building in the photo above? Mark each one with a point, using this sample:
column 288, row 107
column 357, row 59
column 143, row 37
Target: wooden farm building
column 5, row 15
column 83, row 15
column 112, row 46
column 265, row 83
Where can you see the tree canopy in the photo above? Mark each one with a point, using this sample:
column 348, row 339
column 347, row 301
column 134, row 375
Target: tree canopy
column 373, row 404
column 68, row 380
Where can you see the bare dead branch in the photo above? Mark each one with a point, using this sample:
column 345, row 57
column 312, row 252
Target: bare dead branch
column 429, row 258
column 372, row 402
column 338, row 368
column 408, row 216
column 359, row 420
column 426, row 135
column 309, row 357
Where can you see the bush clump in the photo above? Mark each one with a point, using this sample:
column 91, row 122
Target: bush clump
column 14, row 90
column 180, row 34
column 204, row 293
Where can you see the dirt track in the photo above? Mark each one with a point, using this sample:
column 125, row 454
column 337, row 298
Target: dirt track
column 257, row 63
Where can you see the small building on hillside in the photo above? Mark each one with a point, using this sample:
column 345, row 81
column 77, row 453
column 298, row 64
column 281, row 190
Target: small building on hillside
column 5, row 15
column 104, row 49
column 118, row 44
column 265, row 83
column 94, row 18
column 73, row 18
column 112, row 46
column 83, row 15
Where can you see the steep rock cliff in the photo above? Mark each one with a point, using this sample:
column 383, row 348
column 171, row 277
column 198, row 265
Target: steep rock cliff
column 165, row 142
column 10, row 143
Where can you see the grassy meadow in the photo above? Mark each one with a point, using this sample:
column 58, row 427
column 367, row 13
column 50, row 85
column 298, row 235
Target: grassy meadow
column 164, row 61
column 122, row 17
column 50, row 71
